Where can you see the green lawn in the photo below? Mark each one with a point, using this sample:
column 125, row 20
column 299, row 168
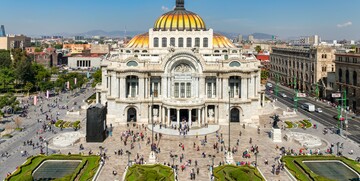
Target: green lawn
column 85, row 171
column 299, row 170
column 149, row 173
column 235, row 173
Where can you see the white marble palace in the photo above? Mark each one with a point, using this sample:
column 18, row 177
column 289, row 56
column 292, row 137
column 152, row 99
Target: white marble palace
column 185, row 72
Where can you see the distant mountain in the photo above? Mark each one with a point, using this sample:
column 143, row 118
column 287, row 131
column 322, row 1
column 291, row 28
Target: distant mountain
column 111, row 34
column 259, row 36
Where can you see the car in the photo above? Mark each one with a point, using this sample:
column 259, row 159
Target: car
column 283, row 95
column 319, row 110
column 269, row 85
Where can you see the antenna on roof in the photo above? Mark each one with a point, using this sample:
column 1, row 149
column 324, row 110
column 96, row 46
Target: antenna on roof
column 125, row 35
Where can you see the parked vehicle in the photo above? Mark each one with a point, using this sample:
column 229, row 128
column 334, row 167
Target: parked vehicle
column 308, row 107
column 283, row 95
column 319, row 110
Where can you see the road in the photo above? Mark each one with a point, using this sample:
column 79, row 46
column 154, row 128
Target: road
column 325, row 118
column 15, row 145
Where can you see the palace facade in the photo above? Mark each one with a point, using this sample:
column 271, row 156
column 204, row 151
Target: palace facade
column 180, row 71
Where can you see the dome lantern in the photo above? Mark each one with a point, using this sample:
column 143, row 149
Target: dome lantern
column 180, row 5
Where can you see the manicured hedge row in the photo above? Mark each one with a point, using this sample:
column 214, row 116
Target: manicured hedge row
column 235, row 173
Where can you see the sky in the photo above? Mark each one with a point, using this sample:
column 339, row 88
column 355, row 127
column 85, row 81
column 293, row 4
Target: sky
column 330, row 19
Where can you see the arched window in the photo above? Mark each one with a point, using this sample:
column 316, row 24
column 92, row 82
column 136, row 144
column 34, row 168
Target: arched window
column 164, row 42
column 132, row 64
column 156, row 42
column 188, row 42
column 340, row 75
column 234, row 64
column 234, row 51
column 136, row 51
column 355, row 78
column 181, row 42
column 172, row 42
column 206, row 42
column 224, row 51
column 197, row 42
column 217, row 51
column 347, row 77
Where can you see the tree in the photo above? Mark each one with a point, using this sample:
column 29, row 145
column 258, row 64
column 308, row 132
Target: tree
column 5, row 59
column 6, row 76
column 97, row 77
column 8, row 100
column 24, row 72
column 264, row 74
column 38, row 49
column 19, row 56
column 258, row 48
column 28, row 87
column 58, row 46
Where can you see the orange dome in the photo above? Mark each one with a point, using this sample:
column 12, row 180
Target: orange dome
column 220, row 41
column 139, row 41
column 179, row 19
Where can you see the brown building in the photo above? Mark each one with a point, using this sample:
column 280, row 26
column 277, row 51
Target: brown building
column 48, row 57
column 348, row 76
column 310, row 67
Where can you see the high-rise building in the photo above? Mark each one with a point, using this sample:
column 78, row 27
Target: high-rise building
column 251, row 38
column 2, row 31
column 189, row 72
column 240, row 38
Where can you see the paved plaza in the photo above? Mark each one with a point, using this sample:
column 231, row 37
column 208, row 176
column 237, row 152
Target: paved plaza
column 170, row 143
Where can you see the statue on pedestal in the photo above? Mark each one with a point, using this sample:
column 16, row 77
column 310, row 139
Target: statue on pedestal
column 275, row 121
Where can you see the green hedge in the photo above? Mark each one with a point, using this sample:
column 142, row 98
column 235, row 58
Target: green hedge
column 289, row 124
column 237, row 173
column 85, row 171
column 149, row 173
column 299, row 170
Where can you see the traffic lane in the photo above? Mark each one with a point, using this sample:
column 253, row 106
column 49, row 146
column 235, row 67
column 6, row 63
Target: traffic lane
column 323, row 119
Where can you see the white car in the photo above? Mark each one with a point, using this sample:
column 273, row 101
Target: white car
column 318, row 110
column 283, row 95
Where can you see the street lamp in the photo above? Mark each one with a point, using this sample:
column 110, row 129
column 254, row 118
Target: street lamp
column 256, row 154
column 212, row 159
column 173, row 158
column 229, row 157
column 229, row 119
column 47, row 145
column 152, row 119
column 128, row 153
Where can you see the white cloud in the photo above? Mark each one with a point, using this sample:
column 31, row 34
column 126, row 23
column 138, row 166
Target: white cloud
column 349, row 23
column 164, row 8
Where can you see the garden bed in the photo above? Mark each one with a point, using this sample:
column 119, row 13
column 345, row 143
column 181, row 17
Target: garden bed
column 299, row 170
column 149, row 173
column 67, row 124
column 236, row 173
column 85, row 171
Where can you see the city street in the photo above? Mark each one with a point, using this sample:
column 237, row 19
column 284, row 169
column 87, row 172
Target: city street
column 326, row 117
column 15, row 145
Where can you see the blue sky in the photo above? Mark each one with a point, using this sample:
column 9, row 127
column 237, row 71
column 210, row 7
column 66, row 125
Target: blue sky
column 331, row 19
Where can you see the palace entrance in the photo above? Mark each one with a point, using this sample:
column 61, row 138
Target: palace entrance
column 131, row 115
column 235, row 115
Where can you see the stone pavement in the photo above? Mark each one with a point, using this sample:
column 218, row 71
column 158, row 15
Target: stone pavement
column 193, row 131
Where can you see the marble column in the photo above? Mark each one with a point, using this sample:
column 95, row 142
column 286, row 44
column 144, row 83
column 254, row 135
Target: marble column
column 141, row 87
column 122, row 88
column 178, row 117
column 244, row 89
column 117, row 87
column 110, row 89
column 198, row 117
column 203, row 115
column 163, row 121
column 251, row 87
column 168, row 116
column 206, row 119
column 202, row 87
column 217, row 87
column 190, row 118
column 225, row 88
column 163, row 86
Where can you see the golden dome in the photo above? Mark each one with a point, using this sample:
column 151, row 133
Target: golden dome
column 142, row 41
column 220, row 41
column 179, row 19
column 139, row 41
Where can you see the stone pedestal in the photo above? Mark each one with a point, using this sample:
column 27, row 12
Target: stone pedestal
column 276, row 135
column 229, row 159
column 152, row 158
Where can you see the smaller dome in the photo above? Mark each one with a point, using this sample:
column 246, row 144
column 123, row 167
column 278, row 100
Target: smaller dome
column 139, row 41
column 220, row 41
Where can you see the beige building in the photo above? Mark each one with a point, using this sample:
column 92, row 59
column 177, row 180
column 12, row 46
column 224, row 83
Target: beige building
column 14, row 41
column 348, row 76
column 180, row 71
column 100, row 49
column 310, row 66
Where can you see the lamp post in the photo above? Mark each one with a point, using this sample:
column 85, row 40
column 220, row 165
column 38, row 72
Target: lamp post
column 173, row 158
column 212, row 159
column 47, row 146
column 256, row 154
column 128, row 153
column 229, row 157
column 152, row 120
column 229, row 120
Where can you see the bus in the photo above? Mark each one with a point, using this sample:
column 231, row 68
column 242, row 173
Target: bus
column 308, row 107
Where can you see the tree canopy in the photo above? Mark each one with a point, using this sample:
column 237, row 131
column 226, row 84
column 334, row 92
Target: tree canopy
column 5, row 59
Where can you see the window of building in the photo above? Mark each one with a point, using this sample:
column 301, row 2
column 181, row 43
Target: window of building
column 205, row 42
column 132, row 64
column 234, row 64
column 323, row 69
column 172, row 42
column 164, row 42
column 209, row 90
column 181, row 42
column 176, row 91
column 197, row 42
column 188, row 90
column 188, row 42
column 182, row 90
column 156, row 42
